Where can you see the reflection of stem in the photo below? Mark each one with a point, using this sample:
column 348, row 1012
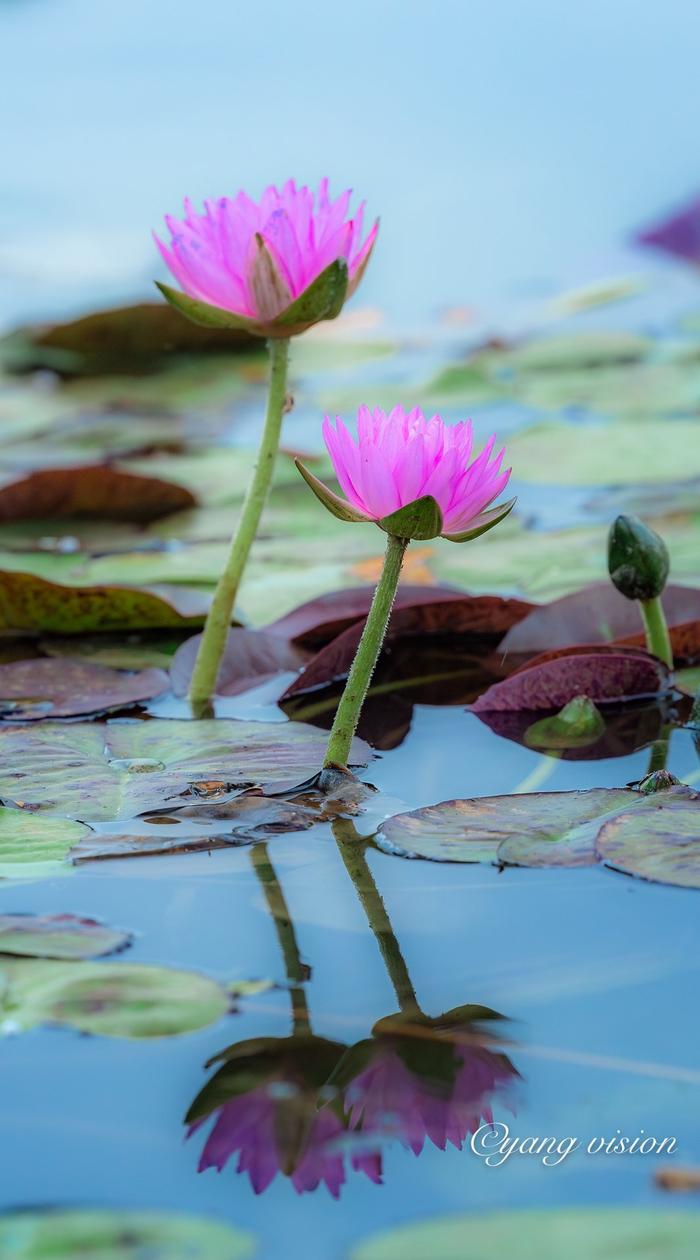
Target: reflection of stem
column 379, row 689
column 352, row 850
column 658, row 640
column 284, row 927
column 213, row 641
column 659, row 750
column 545, row 767
column 348, row 712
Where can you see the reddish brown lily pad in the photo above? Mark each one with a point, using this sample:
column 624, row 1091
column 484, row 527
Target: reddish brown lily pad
column 58, row 936
column 596, row 614
column 444, row 610
column 606, row 676
column 251, row 657
column 472, row 617
column 32, row 603
column 58, row 687
column 95, row 490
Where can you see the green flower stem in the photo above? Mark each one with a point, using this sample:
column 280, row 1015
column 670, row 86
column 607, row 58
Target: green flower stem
column 351, row 847
column 218, row 622
column 348, row 712
column 279, row 912
column 658, row 641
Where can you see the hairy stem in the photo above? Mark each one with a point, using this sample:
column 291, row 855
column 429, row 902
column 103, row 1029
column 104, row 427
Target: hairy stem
column 348, row 712
column 213, row 642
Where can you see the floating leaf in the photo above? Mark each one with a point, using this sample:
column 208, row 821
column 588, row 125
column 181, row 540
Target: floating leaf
column 203, row 827
column 250, row 658
column 33, row 846
column 28, row 602
column 589, row 350
column 127, row 339
column 605, row 675
column 108, row 999
column 113, row 1235
column 599, row 614
column 623, row 453
column 662, row 844
column 560, row 1234
column 508, row 828
column 445, row 611
column 60, row 687
column 120, row 769
column 58, row 936
column 97, row 490
column 472, row 617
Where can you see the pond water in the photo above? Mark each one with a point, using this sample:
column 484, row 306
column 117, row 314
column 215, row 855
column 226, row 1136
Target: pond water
column 586, row 977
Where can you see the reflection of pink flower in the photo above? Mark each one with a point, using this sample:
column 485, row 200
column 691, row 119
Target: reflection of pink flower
column 255, row 258
column 388, row 1096
column 262, row 1129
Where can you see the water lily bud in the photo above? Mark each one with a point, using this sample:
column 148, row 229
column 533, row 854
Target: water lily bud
column 658, row 781
column 638, row 560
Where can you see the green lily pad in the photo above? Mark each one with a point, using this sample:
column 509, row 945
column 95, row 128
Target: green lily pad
column 628, row 452
column 589, row 350
column 33, row 846
column 563, row 1234
column 108, row 999
column 30, row 602
column 58, row 936
column 120, row 769
column 511, row 829
column 108, row 1235
column 662, row 844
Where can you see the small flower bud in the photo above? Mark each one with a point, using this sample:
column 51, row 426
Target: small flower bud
column 638, row 560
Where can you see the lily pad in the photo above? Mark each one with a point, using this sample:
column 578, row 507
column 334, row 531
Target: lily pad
column 203, row 827
column 121, row 769
column 598, row 614
column 508, row 828
column 625, row 453
column 604, row 675
column 28, row 602
column 250, row 658
column 112, row 1235
column 574, row 1233
column 33, row 846
column 108, row 999
column 58, row 936
column 662, row 844
column 96, row 490
column 473, row 617
column 61, row 687
column 127, row 339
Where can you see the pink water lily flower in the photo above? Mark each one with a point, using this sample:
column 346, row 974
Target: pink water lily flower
column 273, row 267
column 399, row 459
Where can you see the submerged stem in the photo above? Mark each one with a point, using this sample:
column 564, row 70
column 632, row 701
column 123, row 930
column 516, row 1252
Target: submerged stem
column 348, row 712
column 658, row 639
column 213, row 642
column 352, row 850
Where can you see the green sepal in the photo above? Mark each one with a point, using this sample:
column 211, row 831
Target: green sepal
column 421, row 520
column 206, row 315
column 333, row 502
column 323, row 299
column 481, row 524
